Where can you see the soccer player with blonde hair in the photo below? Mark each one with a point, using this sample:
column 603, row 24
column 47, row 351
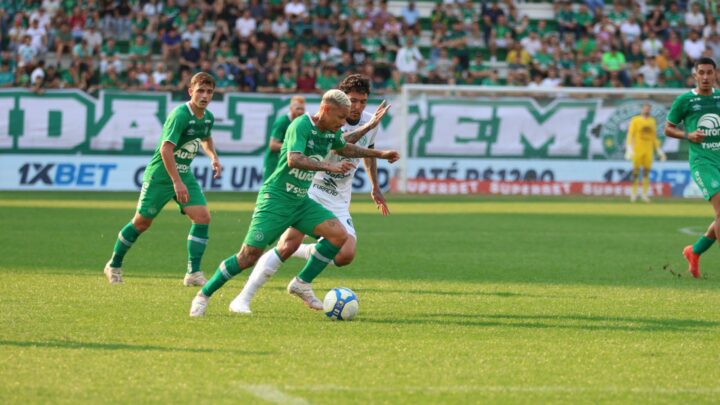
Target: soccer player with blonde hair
column 283, row 200
column 333, row 191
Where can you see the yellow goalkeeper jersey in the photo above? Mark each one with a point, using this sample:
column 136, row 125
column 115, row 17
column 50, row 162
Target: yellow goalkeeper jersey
column 642, row 134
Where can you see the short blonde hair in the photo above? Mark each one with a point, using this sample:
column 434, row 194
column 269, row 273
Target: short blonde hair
column 336, row 97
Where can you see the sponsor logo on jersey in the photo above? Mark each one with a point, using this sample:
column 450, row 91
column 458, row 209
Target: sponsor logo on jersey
column 709, row 124
column 329, row 182
column 291, row 188
column 326, row 189
column 302, row 175
column 188, row 150
column 696, row 107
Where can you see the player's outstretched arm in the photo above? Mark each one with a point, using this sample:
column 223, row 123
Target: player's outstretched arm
column 354, row 151
column 208, row 146
column 297, row 160
column 355, row 135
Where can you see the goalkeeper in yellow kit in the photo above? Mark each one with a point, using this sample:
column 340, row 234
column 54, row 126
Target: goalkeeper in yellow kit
column 642, row 141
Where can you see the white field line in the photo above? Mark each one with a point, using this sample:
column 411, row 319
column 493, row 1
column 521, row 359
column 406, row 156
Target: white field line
column 271, row 393
column 693, row 230
column 506, row 389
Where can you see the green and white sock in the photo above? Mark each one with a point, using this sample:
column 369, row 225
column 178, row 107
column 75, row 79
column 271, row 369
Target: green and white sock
column 228, row 269
column 322, row 254
column 196, row 242
column 127, row 236
column 702, row 244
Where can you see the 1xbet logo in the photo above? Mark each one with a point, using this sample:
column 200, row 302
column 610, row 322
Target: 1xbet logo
column 66, row 174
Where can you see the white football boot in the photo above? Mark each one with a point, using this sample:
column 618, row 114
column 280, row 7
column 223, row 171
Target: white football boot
column 199, row 305
column 240, row 305
column 113, row 274
column 196, row 279
column 305, row 292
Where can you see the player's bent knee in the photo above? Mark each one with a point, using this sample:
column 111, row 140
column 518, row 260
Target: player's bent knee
column 248, row 255
column 338, row 238
column 141, row 223
column 344, row 259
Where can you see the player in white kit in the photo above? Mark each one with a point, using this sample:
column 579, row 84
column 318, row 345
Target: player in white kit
column 331, row 190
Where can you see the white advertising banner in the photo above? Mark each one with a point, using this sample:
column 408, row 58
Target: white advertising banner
column 124, row 173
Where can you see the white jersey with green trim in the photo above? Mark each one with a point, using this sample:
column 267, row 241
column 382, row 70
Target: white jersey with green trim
column 333, row 190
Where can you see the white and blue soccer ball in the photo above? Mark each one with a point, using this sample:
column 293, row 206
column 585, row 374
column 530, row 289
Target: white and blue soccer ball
column 341, row 304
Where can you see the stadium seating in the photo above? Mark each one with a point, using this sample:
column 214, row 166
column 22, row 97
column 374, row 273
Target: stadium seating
column 453, row 42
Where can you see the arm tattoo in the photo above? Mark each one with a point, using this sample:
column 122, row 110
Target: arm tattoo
column 355, row 135
column 353, row 151
column 302, row 162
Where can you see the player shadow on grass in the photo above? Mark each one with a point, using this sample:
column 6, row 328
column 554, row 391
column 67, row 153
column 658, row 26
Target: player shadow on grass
column 67, row 344
column 435, row 292
column 535, row 322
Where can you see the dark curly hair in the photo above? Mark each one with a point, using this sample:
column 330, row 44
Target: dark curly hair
column 355, row 83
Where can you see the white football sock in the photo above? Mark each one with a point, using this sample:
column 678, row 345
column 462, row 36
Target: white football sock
column 303, row 252
column 264, row 269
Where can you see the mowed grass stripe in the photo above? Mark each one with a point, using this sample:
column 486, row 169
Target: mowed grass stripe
column 435, row 207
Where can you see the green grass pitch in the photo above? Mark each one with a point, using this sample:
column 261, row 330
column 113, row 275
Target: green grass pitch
column 462, row 300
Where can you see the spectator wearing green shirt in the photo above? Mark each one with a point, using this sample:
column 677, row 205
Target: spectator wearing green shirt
column 584, row 18
column 586, row 46
column 639, row 82
column 675, row 19
column 139, row 50
column 70, row 77
column 326, row 80
column 491, row 80
column 286, row 82
column 63, row 39
column 223, row 84
column 613, row 62
column 566, row 20
column 110, row 80
column 618, row 14
column 477, row 71
column 7, row 77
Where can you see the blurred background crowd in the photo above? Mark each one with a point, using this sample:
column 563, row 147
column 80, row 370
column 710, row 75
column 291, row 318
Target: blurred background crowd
column 306, row 46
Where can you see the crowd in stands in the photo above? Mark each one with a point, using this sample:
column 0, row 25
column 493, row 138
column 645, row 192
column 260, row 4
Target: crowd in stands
column 306, row 46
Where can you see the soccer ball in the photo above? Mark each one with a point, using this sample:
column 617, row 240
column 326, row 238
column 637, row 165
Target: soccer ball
column 341, row 304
